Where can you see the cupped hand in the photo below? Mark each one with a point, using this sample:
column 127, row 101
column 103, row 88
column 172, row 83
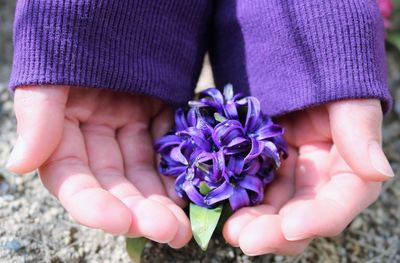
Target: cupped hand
column 94, row 151
column 334, row 171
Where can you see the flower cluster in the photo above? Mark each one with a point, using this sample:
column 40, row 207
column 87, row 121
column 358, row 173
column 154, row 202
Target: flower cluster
column 386, row 7
column 222, row 147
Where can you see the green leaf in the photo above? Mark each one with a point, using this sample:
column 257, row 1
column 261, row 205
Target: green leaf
column 219, row 118
column 394, row 39
column 397, row 5
column 135, row 247
column 204, row 221
column 204, row 189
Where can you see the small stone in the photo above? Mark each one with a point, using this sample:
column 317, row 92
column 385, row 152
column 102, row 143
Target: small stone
column 391, row 132
column 13, row 245
column 7, row 198
column 4, row 186
column 230, row 254
column 357, row 223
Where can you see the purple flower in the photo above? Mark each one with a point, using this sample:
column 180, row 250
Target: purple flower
column 386, row 7
column 222, row 148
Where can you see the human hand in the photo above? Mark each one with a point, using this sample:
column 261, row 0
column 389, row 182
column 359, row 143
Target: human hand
column 333, row 172
column 94, row 151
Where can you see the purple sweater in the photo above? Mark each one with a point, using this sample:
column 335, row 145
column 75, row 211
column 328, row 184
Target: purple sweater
column 291, row 54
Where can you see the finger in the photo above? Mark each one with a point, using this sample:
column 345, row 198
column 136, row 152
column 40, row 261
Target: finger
column 311, row 172
column 312, row 168
column 67, row 176
column 356, row 130
column 106, row 162
column 237, row 222
column 304, row 127
column 282, row 188
column 40, row 116
column 169, row 184
column 332, row 208
column 139, row 158
column 161, row 124
column 263, row 235
column 184, row 233
column 151, row 219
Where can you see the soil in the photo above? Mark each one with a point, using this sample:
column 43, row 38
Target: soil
column 35, row 228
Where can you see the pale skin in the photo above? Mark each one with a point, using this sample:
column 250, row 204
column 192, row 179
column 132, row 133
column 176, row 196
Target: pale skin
column 93, row 149
column 317, row 193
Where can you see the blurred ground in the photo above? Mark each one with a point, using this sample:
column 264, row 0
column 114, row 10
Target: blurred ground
column 35, row 228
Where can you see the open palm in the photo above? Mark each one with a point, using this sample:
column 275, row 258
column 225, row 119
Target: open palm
column 316, row 192
column 94, row 151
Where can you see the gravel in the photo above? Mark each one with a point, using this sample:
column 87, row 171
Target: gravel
column 35, row 228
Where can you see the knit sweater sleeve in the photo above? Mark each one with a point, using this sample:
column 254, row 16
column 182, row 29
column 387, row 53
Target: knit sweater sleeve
column 294, row 54
column 144, row 46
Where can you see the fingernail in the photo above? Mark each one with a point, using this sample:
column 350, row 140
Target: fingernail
column 293, row 230
column 174, row 247
column 15, row 154
column 297, row 236
column 379, row 160
column 263, row 251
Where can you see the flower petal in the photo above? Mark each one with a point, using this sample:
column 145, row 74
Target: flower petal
column 253, row 114
column 271, row 151
column 193, row 194
column 267, row 177
column 197, row 104
column 224, row 191
column 228, row 92
column 215, row 94
column 239, row 198
column 225, row 132
column 214, row 99
column 203, row 157
column 218, row 165
column 255, row 185
column 282, row 146
column 252, row 167
column 236, row 164
column 167, row 141
column 236, row 142
column 242, row 101
column 170, row 170
column 257, row 148
column 187, row 148
column 180, row 120
column 252, row 183
column 176, row 155
column 170, row 167
column 197, row 136
column 231, row 110
column 191, row 117
column 202, row 124
column 269, row 131
column 179, row 184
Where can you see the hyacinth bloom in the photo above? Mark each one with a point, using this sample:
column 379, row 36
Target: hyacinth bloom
column 222, row 148
column 386, row 7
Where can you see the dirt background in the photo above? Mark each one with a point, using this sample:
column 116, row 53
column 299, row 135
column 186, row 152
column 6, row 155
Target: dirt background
column 35, row 228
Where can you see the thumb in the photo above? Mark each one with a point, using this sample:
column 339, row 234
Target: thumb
column 356, row 131
column 40, row 116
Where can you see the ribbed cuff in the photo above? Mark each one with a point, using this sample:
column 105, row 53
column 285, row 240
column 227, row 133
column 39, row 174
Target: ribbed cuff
column 299, row 54
column 148, row 47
